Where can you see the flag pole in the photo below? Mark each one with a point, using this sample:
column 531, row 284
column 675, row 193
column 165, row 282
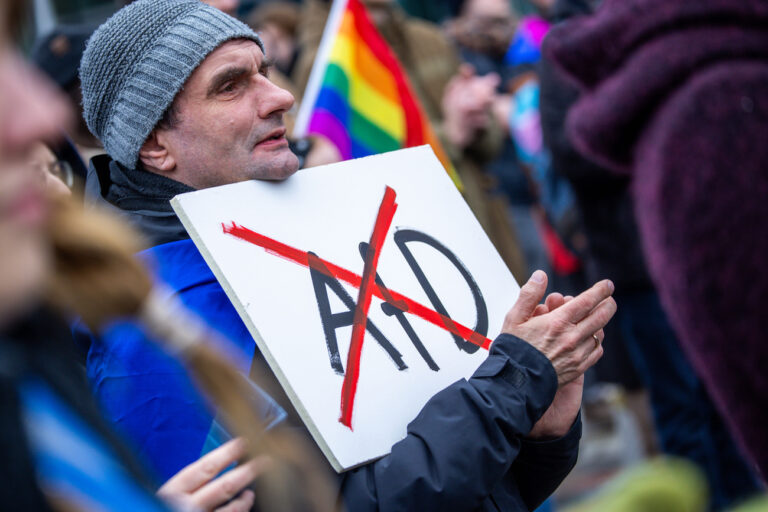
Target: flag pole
column 318, row 67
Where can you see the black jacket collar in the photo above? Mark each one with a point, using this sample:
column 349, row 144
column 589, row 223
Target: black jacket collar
column 140, row 196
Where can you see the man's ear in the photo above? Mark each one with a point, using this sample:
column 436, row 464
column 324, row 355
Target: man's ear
column 155, row 154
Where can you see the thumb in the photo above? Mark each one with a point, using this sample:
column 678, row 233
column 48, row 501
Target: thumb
column 530, row 296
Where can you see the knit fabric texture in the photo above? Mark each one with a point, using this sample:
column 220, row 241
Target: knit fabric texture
column 674, row 95
column 135, row 64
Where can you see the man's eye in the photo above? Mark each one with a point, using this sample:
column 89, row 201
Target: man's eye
column 230, row 87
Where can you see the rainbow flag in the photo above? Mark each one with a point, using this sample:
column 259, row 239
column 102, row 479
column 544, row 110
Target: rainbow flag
column 358, row 95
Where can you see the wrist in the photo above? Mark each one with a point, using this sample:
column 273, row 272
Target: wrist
column 554, row 433
column 550, row 433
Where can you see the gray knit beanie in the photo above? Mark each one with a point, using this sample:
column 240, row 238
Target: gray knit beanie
column 139, row 59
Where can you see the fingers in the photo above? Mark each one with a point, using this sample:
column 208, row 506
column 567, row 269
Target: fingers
column 206, row 467
column 242, row 503
column 530, row 295
column 554, row 301
column 592, row 358
column 228, row 485
column 597, row 318
column 578, row 308
column 600, row 336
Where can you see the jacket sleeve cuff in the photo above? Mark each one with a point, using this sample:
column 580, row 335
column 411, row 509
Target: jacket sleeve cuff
column 518, row 379
column 562, row 444
column 542, row 465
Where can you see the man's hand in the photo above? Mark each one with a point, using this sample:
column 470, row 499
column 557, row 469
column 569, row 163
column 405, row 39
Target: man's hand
column 466, row 105
column 563, row 335
column 557, row 420
column 199, row 486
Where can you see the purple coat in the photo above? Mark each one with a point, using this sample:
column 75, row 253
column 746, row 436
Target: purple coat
column 675, row 94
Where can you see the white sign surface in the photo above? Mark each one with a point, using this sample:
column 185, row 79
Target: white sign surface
column 293, row 257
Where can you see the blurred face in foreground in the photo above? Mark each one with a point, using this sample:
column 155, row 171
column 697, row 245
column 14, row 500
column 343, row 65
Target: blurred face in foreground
column 30, row 111
column 229, row 124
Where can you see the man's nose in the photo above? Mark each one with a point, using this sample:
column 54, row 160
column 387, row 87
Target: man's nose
column 275, row 100
column 31, row 108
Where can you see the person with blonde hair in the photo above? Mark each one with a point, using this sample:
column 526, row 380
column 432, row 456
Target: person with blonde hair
column 57, row 451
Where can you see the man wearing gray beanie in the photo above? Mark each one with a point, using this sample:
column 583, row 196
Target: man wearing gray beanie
column 154, row 52
column 178, row 93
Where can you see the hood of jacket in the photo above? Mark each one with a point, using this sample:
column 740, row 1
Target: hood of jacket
column 631, row 55
column 141, row 197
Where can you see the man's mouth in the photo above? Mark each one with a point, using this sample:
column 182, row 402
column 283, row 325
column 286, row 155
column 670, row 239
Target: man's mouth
column 276, row 136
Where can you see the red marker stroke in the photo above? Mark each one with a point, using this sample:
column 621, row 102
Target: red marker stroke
column 367, row 289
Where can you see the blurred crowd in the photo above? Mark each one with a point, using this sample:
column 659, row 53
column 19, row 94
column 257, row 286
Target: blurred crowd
column 613, row 139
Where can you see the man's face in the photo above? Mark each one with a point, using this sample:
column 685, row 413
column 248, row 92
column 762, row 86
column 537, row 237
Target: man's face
column 491, row 24
column 230, row 125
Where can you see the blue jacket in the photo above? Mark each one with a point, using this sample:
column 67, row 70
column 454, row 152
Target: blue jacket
column 464, row 451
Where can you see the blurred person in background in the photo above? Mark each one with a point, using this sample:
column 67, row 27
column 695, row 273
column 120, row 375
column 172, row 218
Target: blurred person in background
column 277, row 24
column 228, row 6
column 58, row 54
column 555, row 211
column 435, row 11
column 685, row 419
column 493, row 41
column 673, row 102
column 456, row 100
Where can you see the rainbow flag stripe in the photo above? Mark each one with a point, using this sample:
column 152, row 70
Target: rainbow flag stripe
column 364, row 103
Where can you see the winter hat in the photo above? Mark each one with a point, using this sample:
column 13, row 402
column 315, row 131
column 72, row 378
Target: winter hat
column 139, row 59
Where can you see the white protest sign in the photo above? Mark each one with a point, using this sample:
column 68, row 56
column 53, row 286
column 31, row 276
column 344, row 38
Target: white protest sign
column 368, row 285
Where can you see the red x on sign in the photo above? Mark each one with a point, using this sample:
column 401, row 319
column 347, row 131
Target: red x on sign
column 367, row 286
